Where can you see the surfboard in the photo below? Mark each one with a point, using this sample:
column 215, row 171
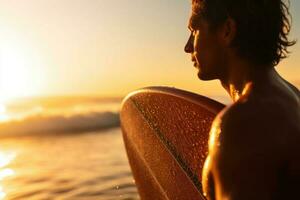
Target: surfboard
column 165, row 132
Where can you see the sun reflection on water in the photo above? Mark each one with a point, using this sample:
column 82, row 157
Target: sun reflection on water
column 6, row 172
column 2, row 193
column 5, row 159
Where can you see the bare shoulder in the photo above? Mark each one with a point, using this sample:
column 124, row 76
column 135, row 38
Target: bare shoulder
column 249, row 142
column 272, row 126
column 273, row 109
column 293, row 88
column 242, row 125
column 261, row 118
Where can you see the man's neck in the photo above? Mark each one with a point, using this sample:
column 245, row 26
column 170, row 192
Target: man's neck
column 241, row 76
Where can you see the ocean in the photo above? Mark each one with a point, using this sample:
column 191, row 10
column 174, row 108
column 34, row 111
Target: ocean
column 63, row 148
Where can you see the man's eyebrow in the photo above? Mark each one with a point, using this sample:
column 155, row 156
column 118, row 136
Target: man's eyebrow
column 191, row 25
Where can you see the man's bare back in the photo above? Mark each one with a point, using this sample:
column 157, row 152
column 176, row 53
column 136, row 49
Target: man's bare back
column 254, row 146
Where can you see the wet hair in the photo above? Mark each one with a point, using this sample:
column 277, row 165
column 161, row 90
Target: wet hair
column 262, row 26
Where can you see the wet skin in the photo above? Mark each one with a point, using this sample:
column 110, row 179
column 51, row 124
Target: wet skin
column 254, row 144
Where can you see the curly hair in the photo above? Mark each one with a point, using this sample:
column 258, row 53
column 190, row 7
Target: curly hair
column 262, row 26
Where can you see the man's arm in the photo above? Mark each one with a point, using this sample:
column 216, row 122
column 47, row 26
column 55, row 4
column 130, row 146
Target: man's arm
column 243, row 161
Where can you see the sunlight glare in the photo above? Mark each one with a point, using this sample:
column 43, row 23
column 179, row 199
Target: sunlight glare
column 2, row 109
column 6, row 158
column 2, row 193
column 19, row 67
column 3, row 114
column 6, row 172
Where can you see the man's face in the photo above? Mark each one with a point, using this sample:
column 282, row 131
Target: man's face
column 205, row 48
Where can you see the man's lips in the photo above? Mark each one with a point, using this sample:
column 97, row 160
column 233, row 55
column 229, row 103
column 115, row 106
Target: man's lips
column 195, row 63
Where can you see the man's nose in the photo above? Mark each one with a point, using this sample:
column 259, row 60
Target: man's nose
column 189, row 48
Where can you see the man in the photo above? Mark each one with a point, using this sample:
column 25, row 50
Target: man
column 254, row 145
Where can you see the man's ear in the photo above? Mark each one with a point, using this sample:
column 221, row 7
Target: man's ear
column 228, row 32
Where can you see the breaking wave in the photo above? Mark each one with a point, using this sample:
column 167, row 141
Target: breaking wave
column 54, row 124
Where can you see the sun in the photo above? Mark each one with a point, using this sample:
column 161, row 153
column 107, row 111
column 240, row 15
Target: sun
column 14, row 77
column 20, row 67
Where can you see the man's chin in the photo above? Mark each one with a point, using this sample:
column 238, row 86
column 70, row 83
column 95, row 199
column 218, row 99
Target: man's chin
column 205, row 76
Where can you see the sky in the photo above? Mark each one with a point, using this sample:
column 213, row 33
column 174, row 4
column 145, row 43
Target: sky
column 104, row 48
